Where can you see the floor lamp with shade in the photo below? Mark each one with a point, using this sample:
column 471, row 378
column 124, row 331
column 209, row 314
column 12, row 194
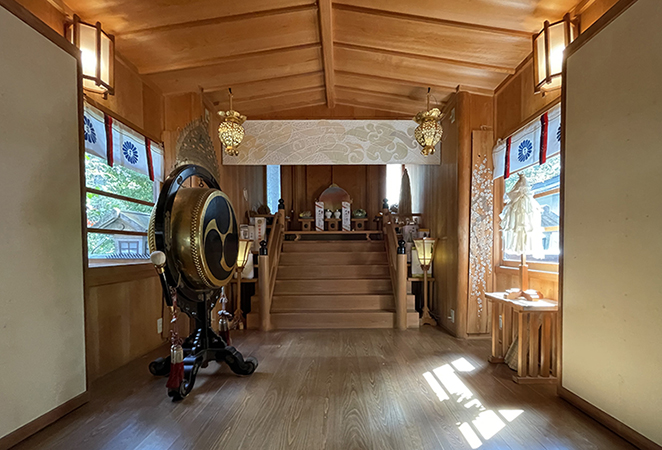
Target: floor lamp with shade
column 425, row 250
column 245, row 252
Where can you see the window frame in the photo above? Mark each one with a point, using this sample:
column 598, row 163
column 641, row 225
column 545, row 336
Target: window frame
column 156, row 189
column 499, row 191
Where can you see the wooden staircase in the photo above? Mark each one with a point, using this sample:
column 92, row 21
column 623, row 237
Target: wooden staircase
column 333, row 284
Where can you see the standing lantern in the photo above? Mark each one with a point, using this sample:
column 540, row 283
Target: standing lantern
column 425, row 251
column 428, row 132
column 548, row 47
column 230, row 131
column 97, row 55
column 245, row 247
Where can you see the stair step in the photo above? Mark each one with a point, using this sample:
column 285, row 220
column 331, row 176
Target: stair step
column 333, row 319
column 332, row 258
column 310, row 271
column 290, row 303
column 333, row 246
column 335, row 286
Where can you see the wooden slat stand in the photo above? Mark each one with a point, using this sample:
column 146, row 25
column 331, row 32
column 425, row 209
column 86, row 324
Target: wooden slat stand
column 532, row 323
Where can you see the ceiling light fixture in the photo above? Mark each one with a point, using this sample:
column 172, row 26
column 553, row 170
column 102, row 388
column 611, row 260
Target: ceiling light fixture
column 428, row 132
column 230, row 131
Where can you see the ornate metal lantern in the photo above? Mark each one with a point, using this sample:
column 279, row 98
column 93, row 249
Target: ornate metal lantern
column 230, row 131
column 548, row 47
column 429, row 130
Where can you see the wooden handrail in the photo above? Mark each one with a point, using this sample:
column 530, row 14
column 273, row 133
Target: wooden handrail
column 268, row 267
column 397, row 265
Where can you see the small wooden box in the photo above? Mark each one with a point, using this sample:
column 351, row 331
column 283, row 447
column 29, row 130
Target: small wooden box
column 306, row 224
column 332, row 224
column 359, row 224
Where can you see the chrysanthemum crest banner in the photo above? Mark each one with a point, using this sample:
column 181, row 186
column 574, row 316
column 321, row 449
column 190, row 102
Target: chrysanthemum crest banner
column 330, row 142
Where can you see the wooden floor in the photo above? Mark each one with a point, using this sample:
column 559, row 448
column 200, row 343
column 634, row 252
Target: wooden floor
column 332, row 389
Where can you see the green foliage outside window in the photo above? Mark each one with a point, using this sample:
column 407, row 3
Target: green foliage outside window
column 117, row 180
column 538, row 173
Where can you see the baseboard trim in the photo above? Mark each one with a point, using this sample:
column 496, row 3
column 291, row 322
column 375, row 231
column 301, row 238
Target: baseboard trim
column 42, row 422
column 608, row 421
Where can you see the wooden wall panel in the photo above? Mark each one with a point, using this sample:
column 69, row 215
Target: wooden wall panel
column 318, row 178
column 121, row 323
column 302, row 185
column 446, row 207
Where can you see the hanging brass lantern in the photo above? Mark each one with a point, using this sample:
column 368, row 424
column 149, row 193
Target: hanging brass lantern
column 429, row 131
column 230, row 131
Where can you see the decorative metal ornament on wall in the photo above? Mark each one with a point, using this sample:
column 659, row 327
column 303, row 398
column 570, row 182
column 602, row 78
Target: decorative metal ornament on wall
column 194, row 146
column 429, row 130
column 230, row 131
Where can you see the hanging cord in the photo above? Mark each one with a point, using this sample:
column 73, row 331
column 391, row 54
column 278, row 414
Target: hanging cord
column 230, row 95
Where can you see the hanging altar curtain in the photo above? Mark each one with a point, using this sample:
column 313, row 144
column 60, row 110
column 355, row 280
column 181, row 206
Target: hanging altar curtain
column 527, row 145
column 94, row 132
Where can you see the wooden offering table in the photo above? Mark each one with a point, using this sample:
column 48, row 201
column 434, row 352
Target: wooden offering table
column 533, row 323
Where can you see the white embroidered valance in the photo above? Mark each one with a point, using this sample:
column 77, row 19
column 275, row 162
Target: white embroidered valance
column 322, row 142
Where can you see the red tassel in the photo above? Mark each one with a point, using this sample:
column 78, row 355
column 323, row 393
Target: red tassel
column 176, row 375
column 176, row 351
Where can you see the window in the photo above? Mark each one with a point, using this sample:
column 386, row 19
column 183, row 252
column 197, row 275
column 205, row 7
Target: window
column 544, row 181
column 119, row 197
column 393, row 183
column 273, row 188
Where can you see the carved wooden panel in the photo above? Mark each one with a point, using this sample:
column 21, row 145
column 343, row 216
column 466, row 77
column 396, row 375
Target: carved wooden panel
column 482, row 233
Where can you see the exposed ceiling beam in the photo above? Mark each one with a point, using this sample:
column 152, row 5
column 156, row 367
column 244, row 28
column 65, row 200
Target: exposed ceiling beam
column 326, row 34
column 217, row 20
column 290, row 100
column 426, row 83
column 229, row 59
column 387, row 96
column 272, row 82
column 426, row 58
column 371, row 105
column 281, row 94
column 431, row 20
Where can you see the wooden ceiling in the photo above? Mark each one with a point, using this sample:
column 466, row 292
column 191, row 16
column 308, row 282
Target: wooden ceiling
column 285, row 54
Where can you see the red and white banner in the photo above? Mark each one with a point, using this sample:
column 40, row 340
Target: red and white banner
column 531, row 144
column 125, row 147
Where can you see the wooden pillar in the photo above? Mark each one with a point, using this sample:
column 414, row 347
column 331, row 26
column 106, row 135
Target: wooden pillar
column 401, row 297
column 264, row 283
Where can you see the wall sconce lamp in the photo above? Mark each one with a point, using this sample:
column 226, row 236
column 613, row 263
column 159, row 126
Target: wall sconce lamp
column 97, row 55
column 425, row 250
column 548, row 47
column 245, row 247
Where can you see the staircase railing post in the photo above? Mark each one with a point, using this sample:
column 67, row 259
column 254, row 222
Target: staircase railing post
column 264, row 285
column 401, row 292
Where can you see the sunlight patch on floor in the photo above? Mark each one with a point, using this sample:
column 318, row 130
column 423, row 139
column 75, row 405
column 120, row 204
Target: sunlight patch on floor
column 485, row 422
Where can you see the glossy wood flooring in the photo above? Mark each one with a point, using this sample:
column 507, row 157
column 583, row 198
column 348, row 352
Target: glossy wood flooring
column 332, row 389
